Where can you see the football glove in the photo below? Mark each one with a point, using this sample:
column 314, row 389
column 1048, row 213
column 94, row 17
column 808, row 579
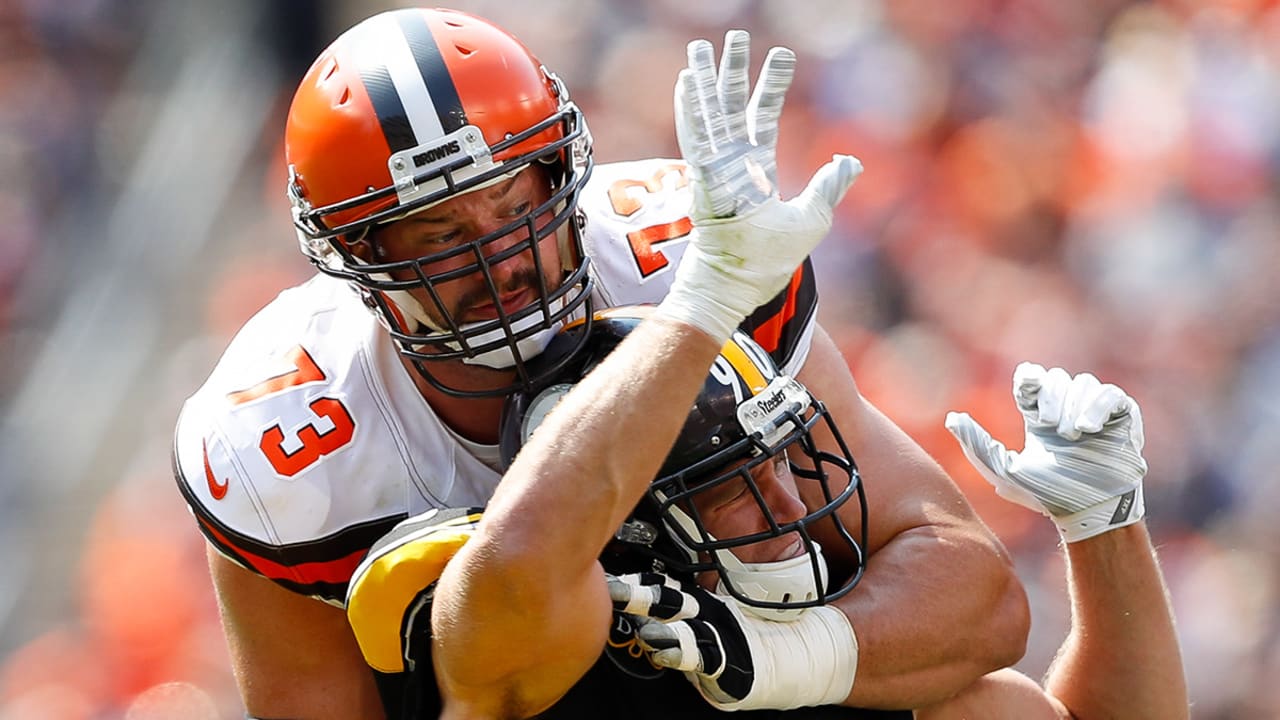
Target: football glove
column 747, row 242
column 739, row 661
column 1081, row 462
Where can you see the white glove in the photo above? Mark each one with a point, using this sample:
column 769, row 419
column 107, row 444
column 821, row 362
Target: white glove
column 747, row 242
column 1081, row 463
column 739, row 661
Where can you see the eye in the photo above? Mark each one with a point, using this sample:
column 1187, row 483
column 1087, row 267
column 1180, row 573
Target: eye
column 721, row 495
column 441, row 238
column 521, row 209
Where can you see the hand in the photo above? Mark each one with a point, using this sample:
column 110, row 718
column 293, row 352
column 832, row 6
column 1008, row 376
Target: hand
column 739, row 661
column 747, row 242
column 1081, row 463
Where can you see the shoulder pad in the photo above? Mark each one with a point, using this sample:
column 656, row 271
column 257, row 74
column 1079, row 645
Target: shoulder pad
column 389, row 597
column 637, row 227
column 784, row 325
column 262, row 450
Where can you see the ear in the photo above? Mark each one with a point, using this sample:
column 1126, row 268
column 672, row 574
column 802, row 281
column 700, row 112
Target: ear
column 362, row 244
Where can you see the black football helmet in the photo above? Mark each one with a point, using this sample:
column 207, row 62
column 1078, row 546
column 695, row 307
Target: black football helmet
column 746, row 415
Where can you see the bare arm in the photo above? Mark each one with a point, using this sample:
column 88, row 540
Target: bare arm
column 1082, row 466
column 1121, row 658
column 940, row 604
column 531, row 575
column 292, row 656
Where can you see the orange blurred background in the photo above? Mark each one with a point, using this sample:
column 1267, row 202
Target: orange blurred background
column 1092, row 185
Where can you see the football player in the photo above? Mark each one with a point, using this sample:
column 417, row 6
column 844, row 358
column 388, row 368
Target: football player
column 723, row 515
column 720, row 570
column 1082, row 466
column 442, row 183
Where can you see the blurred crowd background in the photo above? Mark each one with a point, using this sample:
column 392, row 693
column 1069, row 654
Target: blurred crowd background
column 1088, row 184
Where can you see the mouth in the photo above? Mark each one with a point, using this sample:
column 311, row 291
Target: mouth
column 793, row 549
column 770, row 551
column 510, row 303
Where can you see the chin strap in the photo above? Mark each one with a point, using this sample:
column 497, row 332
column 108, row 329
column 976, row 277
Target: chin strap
column 789, row 580
column 529, row 347
column 781, row 581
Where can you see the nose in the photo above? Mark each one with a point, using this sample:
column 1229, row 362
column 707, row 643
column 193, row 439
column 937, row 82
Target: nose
column 783, row 502
column 783, row 505
column 503, row 270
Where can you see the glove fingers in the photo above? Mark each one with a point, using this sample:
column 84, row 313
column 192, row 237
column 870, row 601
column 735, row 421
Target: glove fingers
column 691, row 128
column 687, row 645
column 651, row 595
column 1099, row 406
column 828, row 185
column 1081, row 390
column 670, row 645
column 765, row 106
column 991, row 459
column 1050, row 400
column 731, row 87
column 987, row 454
column 702, row 63
column 656, row 634
column 1028, row 378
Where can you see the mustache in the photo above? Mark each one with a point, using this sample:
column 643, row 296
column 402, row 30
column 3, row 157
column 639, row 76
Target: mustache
column 525, row 278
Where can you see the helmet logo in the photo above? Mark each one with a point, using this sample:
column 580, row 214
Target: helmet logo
column 427, row 168
column 770, row 412
column 771, row 403
column 439, row 152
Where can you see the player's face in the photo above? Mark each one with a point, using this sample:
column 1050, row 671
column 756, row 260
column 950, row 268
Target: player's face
column 730, row 510
column 464, row 219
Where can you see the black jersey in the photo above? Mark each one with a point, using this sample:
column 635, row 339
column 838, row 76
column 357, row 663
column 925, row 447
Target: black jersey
column 622, row 685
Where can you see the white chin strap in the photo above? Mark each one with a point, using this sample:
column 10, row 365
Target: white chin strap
column 499, row 358
column 528, row 348
column 789, row 580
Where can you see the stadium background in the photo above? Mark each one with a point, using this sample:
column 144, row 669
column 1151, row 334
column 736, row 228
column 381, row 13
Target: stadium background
column 1088, row 184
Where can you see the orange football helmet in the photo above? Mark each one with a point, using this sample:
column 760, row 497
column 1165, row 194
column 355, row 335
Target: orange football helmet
column 412, row 107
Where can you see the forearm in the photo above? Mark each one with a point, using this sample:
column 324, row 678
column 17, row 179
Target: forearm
column 938, row 608
column 1121, row 658
column 530, row 571
column 607, row 438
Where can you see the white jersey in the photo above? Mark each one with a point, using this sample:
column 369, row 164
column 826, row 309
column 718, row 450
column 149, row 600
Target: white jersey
column 309, row 440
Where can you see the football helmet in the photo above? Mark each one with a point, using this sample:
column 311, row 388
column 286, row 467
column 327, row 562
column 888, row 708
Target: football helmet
column 413, row 107
column 747, row 415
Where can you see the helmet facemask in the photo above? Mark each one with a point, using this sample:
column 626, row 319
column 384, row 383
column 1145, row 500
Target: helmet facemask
column 778, row 589
column 746, row 415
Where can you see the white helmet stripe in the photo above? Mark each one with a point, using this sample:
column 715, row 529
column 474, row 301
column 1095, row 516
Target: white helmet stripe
column 418, row 105
column 408, row 83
